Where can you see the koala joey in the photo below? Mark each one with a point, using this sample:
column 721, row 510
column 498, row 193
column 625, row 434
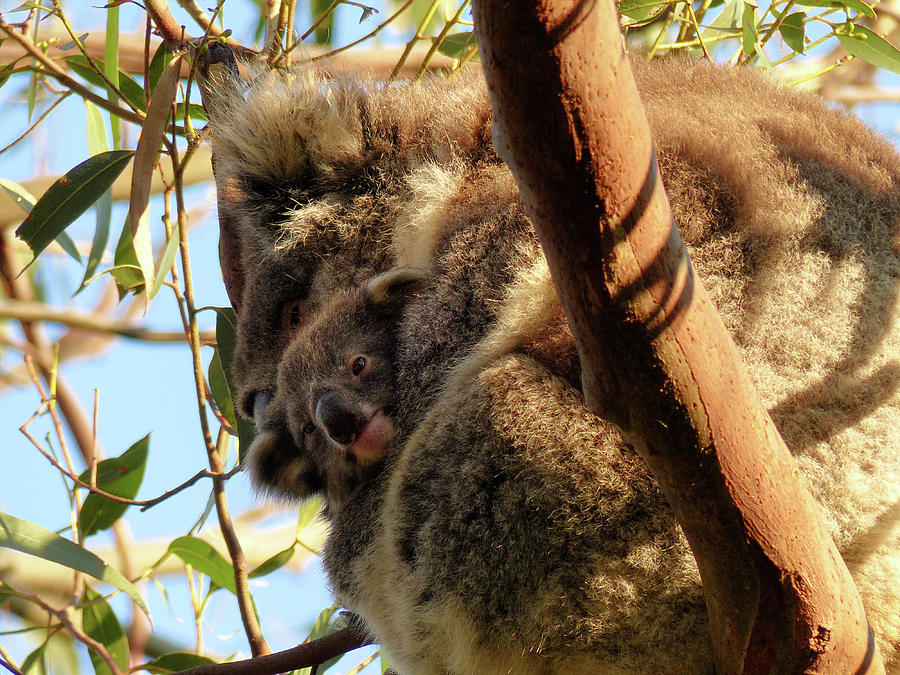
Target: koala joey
column 481, row 520
column 331, row 422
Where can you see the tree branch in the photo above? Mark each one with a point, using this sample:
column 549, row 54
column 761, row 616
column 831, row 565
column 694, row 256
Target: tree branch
column 302, row 656
column 656, row 359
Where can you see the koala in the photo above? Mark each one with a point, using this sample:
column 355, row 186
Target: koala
column 504, row 528
column 331, row 422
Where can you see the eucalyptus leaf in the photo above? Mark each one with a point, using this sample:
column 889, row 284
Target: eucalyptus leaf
column 748, row 28
column 793, row 31
column 226, row 329
column 20, row 194
column 274, row 563
column 855, row 5
column 221, row 392
column 175, row 662
column 165, row 263
column 308, row 511
column 100, row 622
column 65, row 241
column 69, row 197
column 457, row 45
column 204, row 558
column 131, row 90
column 869, row 46
column 637, row 13
column 32, row 662
column 161, row 58
column 120, row 476
column 32, row 539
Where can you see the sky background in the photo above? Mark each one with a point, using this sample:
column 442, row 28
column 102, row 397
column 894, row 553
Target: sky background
column 148, row 388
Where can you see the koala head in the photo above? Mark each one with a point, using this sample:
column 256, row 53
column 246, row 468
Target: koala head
column 330, row 422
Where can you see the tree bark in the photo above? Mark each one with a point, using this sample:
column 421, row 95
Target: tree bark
column 656, row 358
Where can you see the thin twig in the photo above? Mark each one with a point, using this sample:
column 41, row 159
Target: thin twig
column 440, row 38
column 40, row 119
column 365, row 37
column 64, row 78
column 34, row 311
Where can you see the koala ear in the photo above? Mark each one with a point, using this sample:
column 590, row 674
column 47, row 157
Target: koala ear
column 395, row 284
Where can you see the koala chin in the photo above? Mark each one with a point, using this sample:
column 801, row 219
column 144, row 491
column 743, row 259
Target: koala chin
column 481, row 519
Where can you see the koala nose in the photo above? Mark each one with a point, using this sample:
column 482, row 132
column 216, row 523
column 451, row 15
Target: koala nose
column 341, row 419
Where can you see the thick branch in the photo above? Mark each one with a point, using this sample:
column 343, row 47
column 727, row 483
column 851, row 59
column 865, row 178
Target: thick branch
column 656, row 359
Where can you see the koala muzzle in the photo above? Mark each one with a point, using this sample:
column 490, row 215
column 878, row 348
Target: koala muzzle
column 341, row 419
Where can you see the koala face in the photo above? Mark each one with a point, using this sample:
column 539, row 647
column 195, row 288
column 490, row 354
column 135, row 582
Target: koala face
column 330, row 422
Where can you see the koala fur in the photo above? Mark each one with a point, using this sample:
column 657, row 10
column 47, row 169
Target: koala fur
column 506, row 529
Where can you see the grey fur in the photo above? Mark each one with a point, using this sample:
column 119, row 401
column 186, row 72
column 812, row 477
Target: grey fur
column 507, row 529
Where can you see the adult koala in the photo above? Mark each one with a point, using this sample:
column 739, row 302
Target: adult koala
column 507, row 530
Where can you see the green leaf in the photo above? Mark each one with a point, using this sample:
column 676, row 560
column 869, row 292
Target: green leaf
column 100, row 623
column 457, row 45
column 34, row 660
column 65, row 241
column 197, row 112
column 204, row 558
column 165, row 263
column 276, row 562
column 728, row 21
column 748, row 28
column 131, row 90
column 218, row 384
column 120, row 476
column 176, row 661
column 32, row 539
column 126, row 271
column 96, row 129
column 308, row 511
column 226, row 329
column 869, row 46
column 641, row 12
column 20, row 194
column 161, row 58
column 103, row 209
column 71, row 196
column 793, row 31
column 320, row 627
column 856, row 5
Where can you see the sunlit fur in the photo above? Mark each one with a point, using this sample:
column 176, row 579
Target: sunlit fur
column 509, row 530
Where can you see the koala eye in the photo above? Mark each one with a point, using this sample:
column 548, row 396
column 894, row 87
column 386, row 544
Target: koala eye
column 359, row 364
column 292, row 315
column 309, row 428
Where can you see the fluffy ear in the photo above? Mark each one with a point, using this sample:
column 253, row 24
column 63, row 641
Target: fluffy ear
column 394, row 285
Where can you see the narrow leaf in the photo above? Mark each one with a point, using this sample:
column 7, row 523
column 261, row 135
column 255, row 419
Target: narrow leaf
column 101, row 237
column 144, row 160
column 96, row 130
column 748, row 28
column 308, row 511
column 157, row 66
column 100, row 623
column 276, row 562
column 456, row 45
column 165, row 263
column 65, row 241
column 33, row 662
column 126, row 271
column 204, row 558
column 221, row 392
column 69, row 197
column 793, row 31
column 869, row 46
column 20, row 194
column 32, row 539
column 226, row 328
column 120, row 476
column 131, row 90
column 641, row 12
column 175, row 662
column 856, row 5
column 111, row 67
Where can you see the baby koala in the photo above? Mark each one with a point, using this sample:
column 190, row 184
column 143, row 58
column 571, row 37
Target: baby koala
column 330, row 424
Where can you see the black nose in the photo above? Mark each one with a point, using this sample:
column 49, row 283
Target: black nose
column 341, row 419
